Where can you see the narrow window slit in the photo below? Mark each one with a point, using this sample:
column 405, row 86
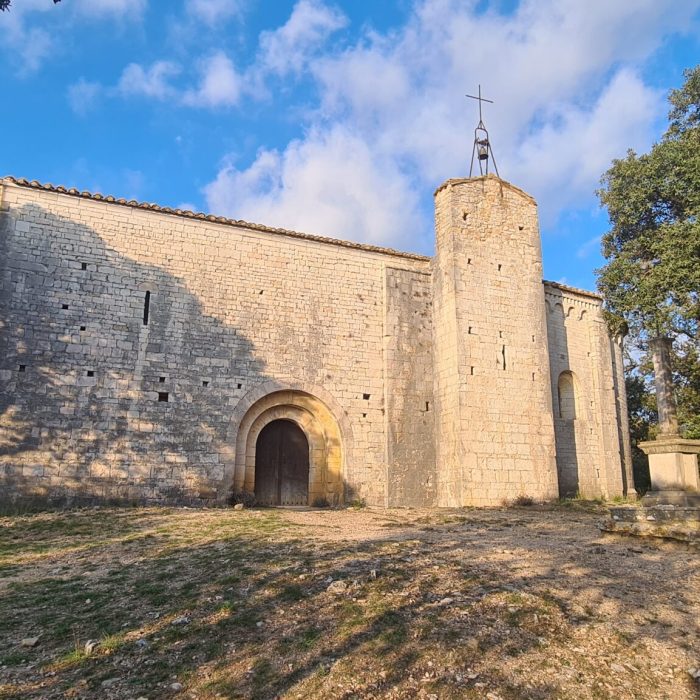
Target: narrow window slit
column 239, row 386
column 503, row 354
column 499, row 267
column 146, row 308
column 161, row 380
column 22, row 368
column 472, row 371
column 366, row 397
column 427, row 405
column 163, row 396
column 64, row 306
column 205, row 383
column 82, row 328
column 90, row 373
column 83, row 266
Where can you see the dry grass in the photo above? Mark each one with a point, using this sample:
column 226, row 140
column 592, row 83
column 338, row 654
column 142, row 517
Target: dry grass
column 504, row 603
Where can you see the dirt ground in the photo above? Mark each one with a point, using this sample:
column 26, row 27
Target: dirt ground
column 530, row 602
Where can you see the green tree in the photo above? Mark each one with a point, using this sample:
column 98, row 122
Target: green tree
column 651, row 280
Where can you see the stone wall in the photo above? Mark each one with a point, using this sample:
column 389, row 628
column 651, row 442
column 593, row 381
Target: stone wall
column 97, row 400
column 409, row 388
column 590, row 444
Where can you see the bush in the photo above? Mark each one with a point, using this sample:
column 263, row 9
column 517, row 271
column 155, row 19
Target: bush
column 244, row 497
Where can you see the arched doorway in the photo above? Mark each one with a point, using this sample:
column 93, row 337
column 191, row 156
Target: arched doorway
column 321, row 427
column 282, row 465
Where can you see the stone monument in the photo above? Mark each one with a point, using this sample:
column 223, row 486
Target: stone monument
column 673, row 460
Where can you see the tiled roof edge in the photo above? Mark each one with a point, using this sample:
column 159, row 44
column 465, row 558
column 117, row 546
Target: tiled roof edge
column 48, row 187
column 574, row 290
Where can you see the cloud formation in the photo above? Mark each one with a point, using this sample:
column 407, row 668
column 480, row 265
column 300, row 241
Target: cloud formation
column 220, row 84
column 30, row 29
column 153, row 82
column 213, row 12
column 289, row 49
column 393, row 105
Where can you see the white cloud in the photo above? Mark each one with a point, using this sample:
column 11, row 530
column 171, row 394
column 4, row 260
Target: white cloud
column 568, row 98
column 83, row 95
column 220, row 84
column 212, row 12
column 330, row 183
column 592, row 245
column 123, row 9
column 288, row 49
column 28, row 28
column 151, row 82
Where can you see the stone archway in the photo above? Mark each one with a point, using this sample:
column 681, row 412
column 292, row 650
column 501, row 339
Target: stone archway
column 320, row 428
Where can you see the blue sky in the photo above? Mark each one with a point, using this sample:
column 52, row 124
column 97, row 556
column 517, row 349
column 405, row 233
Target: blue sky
column 341, row 118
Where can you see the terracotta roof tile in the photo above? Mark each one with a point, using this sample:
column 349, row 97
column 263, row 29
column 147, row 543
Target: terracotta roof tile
column 34, row 184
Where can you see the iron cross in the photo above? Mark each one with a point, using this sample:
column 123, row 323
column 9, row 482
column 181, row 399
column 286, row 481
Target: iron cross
column 480, row 99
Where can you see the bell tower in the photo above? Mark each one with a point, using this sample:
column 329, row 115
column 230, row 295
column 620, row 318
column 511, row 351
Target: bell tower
column 494, row 423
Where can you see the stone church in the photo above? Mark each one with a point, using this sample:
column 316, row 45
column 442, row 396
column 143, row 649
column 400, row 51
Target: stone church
column 153, row 354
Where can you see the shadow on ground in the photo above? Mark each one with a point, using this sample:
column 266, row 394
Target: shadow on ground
column 515, row 603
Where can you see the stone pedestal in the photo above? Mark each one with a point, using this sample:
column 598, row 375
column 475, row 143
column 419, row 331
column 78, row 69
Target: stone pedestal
column 673, row 467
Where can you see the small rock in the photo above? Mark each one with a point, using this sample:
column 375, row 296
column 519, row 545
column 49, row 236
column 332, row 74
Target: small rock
column 184, row 620
column 239, row 506
column 472, row 644
column 178, row 686
column 446, row 601
column 90, row 646
column 373, row 573
column 259, row 624
column 30, row 641
column 109, row 682
column 617, row 668
column 142, row 644
column 694, row 673
column 337, row 587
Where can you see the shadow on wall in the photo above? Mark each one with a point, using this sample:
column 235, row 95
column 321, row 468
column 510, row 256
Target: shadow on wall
column 563, row 401
column 115, row 384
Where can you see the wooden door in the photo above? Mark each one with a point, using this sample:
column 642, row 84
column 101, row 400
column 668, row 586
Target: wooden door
column 282, row 465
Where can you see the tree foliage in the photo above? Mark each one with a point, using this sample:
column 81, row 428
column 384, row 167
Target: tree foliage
column 652, row 275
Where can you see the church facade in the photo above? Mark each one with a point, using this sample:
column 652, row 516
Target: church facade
column 150, row 354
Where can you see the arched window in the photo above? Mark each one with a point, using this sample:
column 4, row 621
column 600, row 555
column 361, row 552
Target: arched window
column 566, row 388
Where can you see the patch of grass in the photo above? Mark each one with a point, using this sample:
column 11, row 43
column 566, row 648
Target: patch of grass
column 292, row 592
column 14, row 658
column 308, row 637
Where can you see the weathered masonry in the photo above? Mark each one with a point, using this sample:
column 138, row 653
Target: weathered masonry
column 155, row 354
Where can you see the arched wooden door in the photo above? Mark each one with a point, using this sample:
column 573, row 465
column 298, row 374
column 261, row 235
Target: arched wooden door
column 282, row 465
